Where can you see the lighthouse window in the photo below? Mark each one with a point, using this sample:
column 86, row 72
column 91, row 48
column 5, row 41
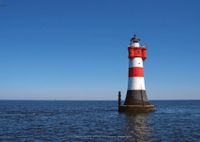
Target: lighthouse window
column 138, row 52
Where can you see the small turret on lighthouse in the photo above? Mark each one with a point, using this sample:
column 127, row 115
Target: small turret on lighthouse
column 136, row 97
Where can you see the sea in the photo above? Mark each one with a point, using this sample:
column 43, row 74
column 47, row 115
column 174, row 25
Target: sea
column 98, row 121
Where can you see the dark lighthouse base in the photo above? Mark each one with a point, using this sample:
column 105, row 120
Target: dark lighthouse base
column 136, row 108
column 136, row 101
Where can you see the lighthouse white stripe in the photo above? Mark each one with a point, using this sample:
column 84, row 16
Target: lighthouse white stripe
column 136, row 83
column 135, row 44
column 136, row 62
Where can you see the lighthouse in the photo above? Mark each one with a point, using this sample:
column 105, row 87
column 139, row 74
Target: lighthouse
column 136, row 97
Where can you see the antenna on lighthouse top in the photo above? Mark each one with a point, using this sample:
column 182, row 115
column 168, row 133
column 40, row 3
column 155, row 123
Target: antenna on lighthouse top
column 135, row 39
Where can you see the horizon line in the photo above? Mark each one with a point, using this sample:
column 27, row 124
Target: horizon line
column 94, row 100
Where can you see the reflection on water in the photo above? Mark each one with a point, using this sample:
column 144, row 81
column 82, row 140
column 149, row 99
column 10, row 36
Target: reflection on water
column 137, row 127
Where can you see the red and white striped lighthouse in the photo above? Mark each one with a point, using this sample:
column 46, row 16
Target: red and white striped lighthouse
column 136, row 94
column 136, row 97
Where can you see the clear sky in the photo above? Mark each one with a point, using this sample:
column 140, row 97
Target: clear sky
column 77, row 49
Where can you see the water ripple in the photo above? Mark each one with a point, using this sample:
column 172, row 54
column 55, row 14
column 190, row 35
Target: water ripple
column 97, row 121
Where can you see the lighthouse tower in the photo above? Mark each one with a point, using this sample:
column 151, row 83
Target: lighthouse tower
column 136, row 97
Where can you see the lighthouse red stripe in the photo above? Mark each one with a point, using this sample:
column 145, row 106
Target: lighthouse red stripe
column 136, row 72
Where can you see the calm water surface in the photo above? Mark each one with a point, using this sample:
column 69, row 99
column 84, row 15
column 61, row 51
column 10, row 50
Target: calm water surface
column 98, row 121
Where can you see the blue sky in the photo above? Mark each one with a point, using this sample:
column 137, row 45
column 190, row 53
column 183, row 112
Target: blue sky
column 77, row 49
